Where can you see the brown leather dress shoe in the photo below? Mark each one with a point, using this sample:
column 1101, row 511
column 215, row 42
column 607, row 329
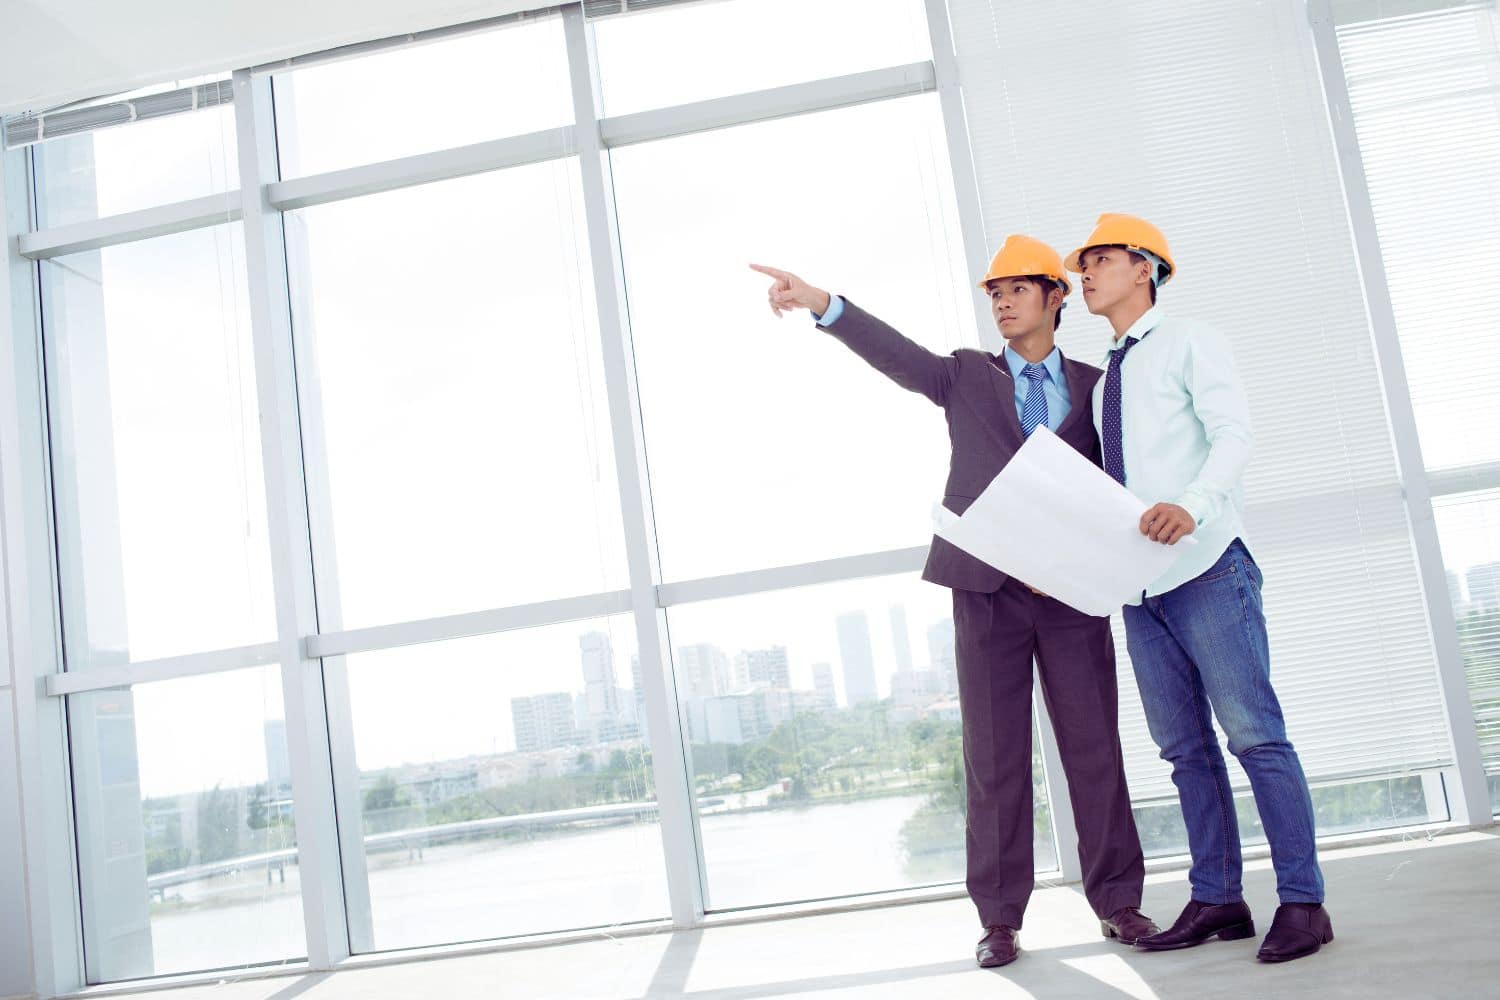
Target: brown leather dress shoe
column 1297, row 930
column 1199, row 922
column 998, row 947
column 1128, row 924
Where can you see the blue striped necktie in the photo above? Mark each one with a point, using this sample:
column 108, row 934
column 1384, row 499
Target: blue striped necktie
column 1113, row 443
column 1034, row 410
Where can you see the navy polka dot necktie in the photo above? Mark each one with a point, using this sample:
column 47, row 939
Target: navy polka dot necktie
column 1113, row 443
column 1034, row 410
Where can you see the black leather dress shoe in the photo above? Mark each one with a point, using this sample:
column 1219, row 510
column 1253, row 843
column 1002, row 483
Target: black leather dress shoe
column 1297, row 930
column 1199, row 922
column 1128, row 924
column 998, row 947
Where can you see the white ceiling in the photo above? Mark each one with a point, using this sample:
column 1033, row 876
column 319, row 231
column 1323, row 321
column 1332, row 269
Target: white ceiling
column 56, row 51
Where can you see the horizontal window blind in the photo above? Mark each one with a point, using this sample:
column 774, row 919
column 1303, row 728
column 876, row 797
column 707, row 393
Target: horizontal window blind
column 1209, row 119
column 22, row 130
column 1424, row 89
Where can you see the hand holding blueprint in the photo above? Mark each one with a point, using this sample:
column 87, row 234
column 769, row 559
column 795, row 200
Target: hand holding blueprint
column 1054, row 520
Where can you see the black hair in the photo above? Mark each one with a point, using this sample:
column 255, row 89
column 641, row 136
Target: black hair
column 1138, row 258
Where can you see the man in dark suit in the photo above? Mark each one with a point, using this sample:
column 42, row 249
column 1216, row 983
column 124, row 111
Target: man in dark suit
column 992, row 404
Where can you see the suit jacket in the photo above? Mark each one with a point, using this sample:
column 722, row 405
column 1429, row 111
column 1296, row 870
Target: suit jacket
column 978, row 397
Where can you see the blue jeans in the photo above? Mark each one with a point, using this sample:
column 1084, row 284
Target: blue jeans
column 1204, row 644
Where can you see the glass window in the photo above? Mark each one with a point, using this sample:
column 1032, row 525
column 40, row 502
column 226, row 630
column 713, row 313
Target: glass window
column 1340, row 808
column 718, row 49
column 156, row 449
column 770, row 442
column 1421, row 89
column 826, row 744
column 505, row 786
column 457, row 432
column 187, row 861
column 140, row 165
column 1469, row 532
column 421, row 98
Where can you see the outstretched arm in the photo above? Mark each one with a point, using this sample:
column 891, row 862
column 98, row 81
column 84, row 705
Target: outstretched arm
column 903, row 361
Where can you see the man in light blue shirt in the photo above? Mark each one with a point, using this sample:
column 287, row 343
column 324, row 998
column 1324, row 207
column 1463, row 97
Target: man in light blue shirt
column 1174, row 429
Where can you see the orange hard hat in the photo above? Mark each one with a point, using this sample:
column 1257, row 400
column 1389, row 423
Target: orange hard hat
column 1130, row 232
column 1024, row 256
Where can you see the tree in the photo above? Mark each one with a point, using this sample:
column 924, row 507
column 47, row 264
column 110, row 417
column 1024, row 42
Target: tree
column 218, row 825
column 386, row 794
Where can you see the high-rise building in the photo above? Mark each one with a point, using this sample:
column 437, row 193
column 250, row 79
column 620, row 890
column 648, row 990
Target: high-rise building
column 1455, row 592
column 940, row 651
column 738, row 718
column 278, row 763
column 543, row 721
column 599, row 676
column 702, row 670
column 766, row 667
column 859, row 661
column 638, row 692
column 828, row 698
column 915, row 687
column 1484, row 587
column 900, row 640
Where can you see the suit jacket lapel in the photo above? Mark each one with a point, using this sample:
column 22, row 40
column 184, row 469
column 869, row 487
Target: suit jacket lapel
column 1005, row 397
column 1078, row 393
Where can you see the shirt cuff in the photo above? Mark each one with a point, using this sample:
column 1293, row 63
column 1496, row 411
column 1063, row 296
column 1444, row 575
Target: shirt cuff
column 835, row 310
column 1196, row 506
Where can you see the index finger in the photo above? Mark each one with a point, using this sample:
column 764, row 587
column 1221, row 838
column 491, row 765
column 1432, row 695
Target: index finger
column 773, row 272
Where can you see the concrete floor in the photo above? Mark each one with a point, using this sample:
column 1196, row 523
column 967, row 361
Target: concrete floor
column 1414, row 919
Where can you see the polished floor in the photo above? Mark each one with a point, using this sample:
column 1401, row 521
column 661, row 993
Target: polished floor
column 1413, row 919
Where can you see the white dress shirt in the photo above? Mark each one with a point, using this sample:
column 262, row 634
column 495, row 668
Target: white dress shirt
column 1185, row 428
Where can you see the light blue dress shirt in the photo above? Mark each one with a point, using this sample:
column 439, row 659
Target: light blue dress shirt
column 1186, row 434
column 835, row 310
column 1054, row 387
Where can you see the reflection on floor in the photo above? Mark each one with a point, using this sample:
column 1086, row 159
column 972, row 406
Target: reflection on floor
column 1413, row 919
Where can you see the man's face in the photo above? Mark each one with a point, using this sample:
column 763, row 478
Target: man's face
column 1110, row 276
column 1019, row 306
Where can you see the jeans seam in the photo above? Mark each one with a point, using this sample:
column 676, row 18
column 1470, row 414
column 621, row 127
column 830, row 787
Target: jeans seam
column 1219, row 795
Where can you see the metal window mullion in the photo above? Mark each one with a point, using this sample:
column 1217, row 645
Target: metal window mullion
column 422, row 168
column 168, row 668
column 1466, row 479
column 461, row 626
column 130, row 227
column 766, row 105
column 52, row 905
column 760, row 581
column 669, row 757
column 348, row 801
column 961, row 159
column 1472, row 803
column 976, row 255
column 286, row 515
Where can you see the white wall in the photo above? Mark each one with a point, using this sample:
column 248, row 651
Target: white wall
column 15, row 937
column 56, row 51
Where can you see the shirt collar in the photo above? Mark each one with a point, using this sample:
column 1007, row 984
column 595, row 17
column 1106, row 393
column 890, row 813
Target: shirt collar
column 1052, row 362
column 1149, row 319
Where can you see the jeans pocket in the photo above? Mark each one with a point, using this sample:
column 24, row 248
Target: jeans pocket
column 1228, row 565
